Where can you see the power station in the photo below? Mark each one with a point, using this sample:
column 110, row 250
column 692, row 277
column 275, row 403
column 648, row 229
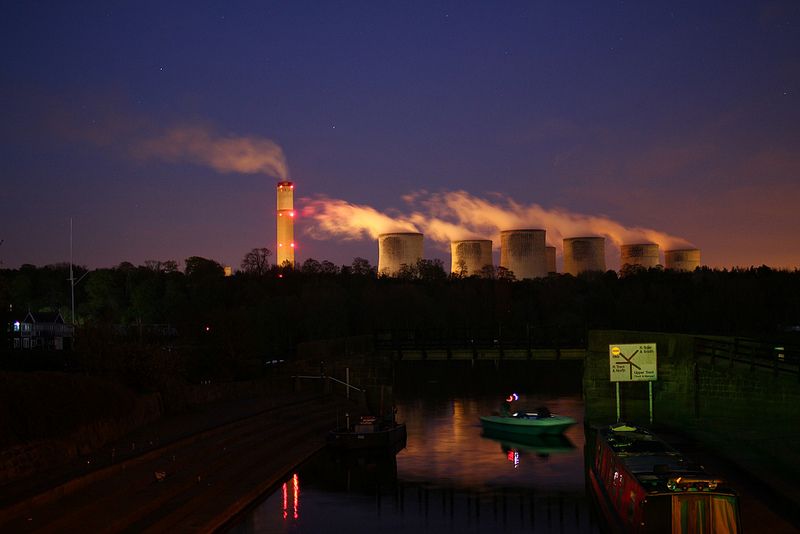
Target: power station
column 398, row 249
column 641, row 254
column 285, row 248
column 584, row 254
column 523, row 252
column 550, row 255
column 471, row 256
column 687, row 259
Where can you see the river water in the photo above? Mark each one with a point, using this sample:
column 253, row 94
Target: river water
column 449, row 478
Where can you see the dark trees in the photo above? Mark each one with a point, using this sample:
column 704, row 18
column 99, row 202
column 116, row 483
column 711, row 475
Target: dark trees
column 257, row 261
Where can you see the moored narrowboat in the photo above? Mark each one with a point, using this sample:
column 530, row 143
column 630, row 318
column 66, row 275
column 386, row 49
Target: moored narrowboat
column 643, row 485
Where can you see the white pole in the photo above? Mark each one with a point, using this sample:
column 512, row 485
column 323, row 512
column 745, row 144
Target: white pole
column 650, row 392
column 71, row 276
column 347, row 380
column 617, row 383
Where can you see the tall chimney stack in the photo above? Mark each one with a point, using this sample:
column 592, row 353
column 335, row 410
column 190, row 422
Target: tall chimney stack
column 285, row 248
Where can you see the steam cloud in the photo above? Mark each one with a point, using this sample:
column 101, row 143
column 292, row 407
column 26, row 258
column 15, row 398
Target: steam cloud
column 351, row 221
column 454, row 215
column 196, row 144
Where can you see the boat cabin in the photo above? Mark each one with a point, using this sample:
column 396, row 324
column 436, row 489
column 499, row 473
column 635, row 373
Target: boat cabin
column 641, row 484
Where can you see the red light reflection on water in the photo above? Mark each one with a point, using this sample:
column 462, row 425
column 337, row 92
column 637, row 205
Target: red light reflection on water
column 285, row 507
column 513, row 456
column 296, row 487
column 295, row 498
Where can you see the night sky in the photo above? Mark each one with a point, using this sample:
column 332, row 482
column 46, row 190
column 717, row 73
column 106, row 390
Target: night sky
column 161, row 127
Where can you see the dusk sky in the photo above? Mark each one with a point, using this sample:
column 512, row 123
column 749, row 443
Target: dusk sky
column 162, row 128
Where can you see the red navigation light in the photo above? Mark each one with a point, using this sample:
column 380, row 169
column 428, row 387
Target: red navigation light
column 292, row 245
column 291, row 214
column 291, row 187
column 280, row 276
column 280, row 214
column 208, row 328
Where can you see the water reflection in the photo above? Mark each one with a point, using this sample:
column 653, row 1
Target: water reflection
column 450, row 478
column 445, row 446
column 515, row 447
column 295, row 498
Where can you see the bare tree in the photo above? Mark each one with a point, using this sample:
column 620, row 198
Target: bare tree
column 256, row 261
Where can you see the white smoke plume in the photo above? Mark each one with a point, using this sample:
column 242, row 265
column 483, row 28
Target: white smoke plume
column 342, row 219
column 198, row 144
column 454, row 215
column 459, row 215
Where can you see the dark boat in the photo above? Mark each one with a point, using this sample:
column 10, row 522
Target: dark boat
column 641, row 484
column 369, row 434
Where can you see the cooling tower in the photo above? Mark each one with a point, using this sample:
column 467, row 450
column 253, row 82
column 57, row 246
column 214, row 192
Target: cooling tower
column 687, row 259
column 550, row 256
column 582, row 254
column 285, row 248
column 644, row 254
column 398, row 249
column 523, row 253
column 470, row 256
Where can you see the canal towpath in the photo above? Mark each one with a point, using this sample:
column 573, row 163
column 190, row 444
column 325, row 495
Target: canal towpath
column 197, row 468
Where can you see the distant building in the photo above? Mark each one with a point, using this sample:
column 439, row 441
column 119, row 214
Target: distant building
column 42, row 330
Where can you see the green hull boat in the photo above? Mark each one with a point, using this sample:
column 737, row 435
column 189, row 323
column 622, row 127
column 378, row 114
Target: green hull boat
column 527, row 424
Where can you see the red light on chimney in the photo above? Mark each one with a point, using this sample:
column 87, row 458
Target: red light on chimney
column 292, row 245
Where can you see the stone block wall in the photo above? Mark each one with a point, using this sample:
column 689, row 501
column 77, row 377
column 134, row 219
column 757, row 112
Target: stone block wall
column 750, row 415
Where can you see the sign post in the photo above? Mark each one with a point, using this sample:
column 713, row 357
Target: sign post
column 635, row 362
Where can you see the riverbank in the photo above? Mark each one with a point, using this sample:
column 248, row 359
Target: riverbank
column 195, row 470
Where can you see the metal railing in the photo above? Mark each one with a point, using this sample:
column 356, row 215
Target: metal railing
column 348, row 386
column 778, row 357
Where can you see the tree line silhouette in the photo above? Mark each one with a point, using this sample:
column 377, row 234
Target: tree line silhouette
column 197, row 324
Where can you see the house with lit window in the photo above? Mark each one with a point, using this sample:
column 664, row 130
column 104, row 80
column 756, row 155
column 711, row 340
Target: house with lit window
column 42, row 330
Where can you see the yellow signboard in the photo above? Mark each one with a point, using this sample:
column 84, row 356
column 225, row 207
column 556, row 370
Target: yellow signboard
column 634, row 362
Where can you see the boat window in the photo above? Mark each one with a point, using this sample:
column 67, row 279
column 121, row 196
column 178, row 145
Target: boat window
column 700, row 514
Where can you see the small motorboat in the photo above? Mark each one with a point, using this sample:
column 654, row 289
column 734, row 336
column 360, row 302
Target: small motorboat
column 369, row 434
column 527, row 423
column 538, row 423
